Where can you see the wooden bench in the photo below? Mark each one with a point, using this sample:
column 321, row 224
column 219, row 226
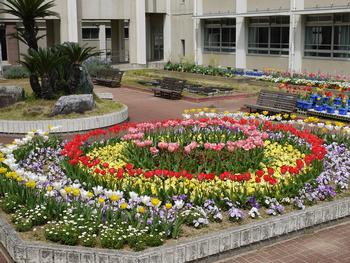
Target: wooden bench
column 109, row 77
column 273, row 101
column 170, row 88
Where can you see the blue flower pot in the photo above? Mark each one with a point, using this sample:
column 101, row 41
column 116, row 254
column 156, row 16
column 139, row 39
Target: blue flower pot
column 325, row 99
column 330, row 109
column 313, row 98
column 300, row 104
column 343, row 111
column 307, row 105
column 318, row 107
column 337, row 101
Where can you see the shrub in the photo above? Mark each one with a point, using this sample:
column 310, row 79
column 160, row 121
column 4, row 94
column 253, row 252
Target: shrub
column 16, row 72
column 95, row 64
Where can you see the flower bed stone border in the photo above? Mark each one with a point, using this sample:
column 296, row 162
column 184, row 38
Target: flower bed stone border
column 66, row 125
column 207, row 247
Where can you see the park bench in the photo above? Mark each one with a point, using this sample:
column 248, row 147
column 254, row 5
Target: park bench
column 108, row 77
column 274, row 101
column 170, row 88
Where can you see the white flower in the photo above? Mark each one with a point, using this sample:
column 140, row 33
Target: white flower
column 179, row 204
column 133, row 196
column 254, row 212
column 145, row 199
column 97, row 190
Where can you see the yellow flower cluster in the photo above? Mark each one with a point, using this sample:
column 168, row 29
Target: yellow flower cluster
column 111, row 154
column 2, row 159
column 281, row 155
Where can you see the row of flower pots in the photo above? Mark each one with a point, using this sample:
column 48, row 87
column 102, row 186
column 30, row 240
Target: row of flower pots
column 332, row 106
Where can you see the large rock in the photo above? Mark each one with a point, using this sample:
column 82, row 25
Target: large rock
column 73, row 103
column 6, row 100
column 16, row 92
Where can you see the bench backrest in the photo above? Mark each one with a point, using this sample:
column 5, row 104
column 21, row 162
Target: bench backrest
column 278, row 100
column 173, row 84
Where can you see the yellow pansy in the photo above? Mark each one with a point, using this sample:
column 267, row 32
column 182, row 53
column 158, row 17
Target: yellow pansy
column 155, row 202
column 30, row 184
column 123, row 205
column 76, row 192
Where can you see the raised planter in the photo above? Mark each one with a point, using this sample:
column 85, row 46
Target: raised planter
column 65, row 125
column 208, row 248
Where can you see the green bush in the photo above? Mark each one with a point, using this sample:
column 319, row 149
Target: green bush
column 94, row 64
column 192, row 68
column 15, row 72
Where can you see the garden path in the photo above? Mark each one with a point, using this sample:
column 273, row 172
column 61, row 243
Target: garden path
column 327, row 245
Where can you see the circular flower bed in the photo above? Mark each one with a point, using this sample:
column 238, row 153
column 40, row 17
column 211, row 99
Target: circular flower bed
column 138, row 184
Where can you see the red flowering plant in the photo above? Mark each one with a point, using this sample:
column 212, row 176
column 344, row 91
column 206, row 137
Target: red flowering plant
column 232, row 157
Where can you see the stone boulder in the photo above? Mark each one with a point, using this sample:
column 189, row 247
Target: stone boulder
column 6, row 100
column 10, row 95
column 73, row 103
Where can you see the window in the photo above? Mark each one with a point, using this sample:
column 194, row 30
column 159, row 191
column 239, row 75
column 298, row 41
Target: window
column 220, row 35
column 90, row 32
column 183, row 45
column 126, row 32
column 268, row 35
column 328, row 36
column 108, row 32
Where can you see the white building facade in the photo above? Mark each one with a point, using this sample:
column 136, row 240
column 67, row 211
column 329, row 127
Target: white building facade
column 287, row 35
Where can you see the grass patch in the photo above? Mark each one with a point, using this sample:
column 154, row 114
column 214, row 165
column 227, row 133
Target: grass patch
column 237, row 84
column 37, row 109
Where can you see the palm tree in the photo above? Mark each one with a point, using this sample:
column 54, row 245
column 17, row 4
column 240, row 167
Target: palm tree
column 28, row 11
column 76, row 55
column 43, row 64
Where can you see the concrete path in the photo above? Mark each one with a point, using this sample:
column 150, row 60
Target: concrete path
column 328, row 245
column 143, row 106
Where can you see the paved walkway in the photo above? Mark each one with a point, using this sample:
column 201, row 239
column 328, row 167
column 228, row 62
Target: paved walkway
column 328, row 245
column 144, row 106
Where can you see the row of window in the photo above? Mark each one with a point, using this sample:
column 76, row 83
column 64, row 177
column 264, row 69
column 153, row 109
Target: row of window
column 325, row 36
column 92, row 33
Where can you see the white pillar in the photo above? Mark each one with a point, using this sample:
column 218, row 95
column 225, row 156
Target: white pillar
column 72, row 21
column 295, row 44
column 241, row 35
column 198, row 32
column 103, row 42
column 140, row 34
column 167, row 32
column 296, row 38
column 241, row 43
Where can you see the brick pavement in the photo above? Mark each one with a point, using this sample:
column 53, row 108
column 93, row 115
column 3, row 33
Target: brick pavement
column 327, row 245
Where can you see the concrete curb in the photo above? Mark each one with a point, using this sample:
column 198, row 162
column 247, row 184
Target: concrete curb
column 66, row 125
column 207, row 247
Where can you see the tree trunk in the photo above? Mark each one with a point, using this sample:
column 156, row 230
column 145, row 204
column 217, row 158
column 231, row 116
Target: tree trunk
column 30, row 34
column 35, row 85
column 74, row 79
column 47, row 91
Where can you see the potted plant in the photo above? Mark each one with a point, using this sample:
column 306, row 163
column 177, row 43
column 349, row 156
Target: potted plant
column 337, row 101
column 344, row 107
column 319, row 104
column 307, row 102
column 330, row 106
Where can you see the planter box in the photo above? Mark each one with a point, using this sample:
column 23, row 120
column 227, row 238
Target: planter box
column 210, row 247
